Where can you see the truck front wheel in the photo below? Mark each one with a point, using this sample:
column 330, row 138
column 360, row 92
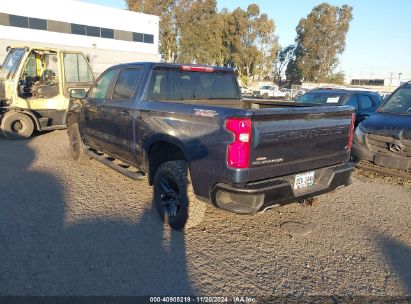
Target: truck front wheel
column 76, row 145
column 17, row 126
column 174, row 197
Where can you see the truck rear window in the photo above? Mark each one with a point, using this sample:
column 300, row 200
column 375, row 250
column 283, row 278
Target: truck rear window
column 176, row 85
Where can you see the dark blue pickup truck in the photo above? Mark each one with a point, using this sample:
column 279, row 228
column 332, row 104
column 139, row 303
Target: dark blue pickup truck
column 187, row 130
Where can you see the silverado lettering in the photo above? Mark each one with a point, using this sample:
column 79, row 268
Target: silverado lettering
column 296, row 134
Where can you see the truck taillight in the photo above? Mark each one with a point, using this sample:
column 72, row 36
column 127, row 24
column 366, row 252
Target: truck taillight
column 349, row 146
column 191, row 68
column 238, row 152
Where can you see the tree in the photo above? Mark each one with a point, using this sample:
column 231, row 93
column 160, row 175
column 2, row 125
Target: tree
column 293, row 73
column 252, row 41
column 284, row 56
column 200, row 27
column 337, row 78
column 320, row 39
column 193, row 31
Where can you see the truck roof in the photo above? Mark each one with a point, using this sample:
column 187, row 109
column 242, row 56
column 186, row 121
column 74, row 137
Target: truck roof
column 187, row 67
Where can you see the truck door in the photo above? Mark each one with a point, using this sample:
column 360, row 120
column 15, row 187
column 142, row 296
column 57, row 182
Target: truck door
column 118, row 114
column 92, row 114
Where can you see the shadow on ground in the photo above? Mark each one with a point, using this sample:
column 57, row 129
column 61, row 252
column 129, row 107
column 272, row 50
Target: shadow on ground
column 399, row 257
column 41, row 255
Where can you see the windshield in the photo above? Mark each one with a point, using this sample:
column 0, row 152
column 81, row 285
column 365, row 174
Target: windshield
column 265, row 88
column 176, row 85
column 316, row 98
column 11, row 63
column 399, row 102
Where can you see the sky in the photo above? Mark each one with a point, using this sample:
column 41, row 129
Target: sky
column 377, row 44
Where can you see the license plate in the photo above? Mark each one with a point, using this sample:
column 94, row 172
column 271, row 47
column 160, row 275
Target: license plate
column 304, row 180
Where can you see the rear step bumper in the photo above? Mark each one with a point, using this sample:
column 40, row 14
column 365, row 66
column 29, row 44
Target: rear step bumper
column 258, row 196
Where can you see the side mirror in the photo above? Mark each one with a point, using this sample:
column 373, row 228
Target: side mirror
column 78, row 93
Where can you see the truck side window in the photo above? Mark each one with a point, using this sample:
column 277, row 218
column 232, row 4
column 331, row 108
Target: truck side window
column 100, row 89
column 126, row 84
column 76, row 68
column 365, row 102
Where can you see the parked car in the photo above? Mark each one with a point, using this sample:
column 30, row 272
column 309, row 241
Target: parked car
column 269, row 91
column 245, row 91
column 364, row 102
column 385, row 138
column 188, row 131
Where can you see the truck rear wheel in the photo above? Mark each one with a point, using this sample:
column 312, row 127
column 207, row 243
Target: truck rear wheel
column 76, row 145
column 174, row 197
column 265, row 96
column 17, row 126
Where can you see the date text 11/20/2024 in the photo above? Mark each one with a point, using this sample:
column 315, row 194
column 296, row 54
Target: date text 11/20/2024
column 205, row 299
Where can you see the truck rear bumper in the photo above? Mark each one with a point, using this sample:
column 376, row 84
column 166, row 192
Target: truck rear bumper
column 258, row 196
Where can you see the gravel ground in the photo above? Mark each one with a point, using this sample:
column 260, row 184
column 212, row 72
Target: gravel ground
column 67, row 229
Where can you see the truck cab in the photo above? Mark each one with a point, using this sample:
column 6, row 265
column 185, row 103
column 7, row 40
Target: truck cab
column 35, row 87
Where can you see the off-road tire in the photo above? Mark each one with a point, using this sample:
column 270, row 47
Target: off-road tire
column 76, row 146
column 191, row 210
column 265, row 96
column 17, row 126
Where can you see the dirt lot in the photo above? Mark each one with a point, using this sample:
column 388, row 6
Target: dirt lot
column 71, row 230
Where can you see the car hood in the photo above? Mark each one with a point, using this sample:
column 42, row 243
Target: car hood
column 386, row 124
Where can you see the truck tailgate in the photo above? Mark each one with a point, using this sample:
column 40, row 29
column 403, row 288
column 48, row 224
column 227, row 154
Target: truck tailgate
column 298, row 139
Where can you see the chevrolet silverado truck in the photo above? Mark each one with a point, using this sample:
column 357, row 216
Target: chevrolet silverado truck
column 186, row 130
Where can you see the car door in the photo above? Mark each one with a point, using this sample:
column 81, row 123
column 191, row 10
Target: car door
column 366, row 107
column 92, row 114
column 118, row 114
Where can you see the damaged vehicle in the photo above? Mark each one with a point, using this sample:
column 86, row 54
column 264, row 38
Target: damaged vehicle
column 188, row 132
column 383, row 142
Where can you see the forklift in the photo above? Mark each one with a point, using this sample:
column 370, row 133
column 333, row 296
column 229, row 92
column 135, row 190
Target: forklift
column 35, row 88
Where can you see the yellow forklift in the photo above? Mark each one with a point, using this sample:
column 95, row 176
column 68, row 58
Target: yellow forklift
column 35, row 88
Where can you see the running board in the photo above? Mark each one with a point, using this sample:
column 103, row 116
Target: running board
column 115, row 164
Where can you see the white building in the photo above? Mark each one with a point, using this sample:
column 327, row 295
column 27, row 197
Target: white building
column 107, row 35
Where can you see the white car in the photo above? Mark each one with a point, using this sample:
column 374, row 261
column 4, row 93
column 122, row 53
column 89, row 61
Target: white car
column 269, row 91
column 246, row 91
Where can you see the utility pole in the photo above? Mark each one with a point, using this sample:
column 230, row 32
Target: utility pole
column 391, row 73
column 399, row 78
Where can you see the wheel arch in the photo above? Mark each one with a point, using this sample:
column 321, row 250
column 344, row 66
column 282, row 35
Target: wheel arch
column 159, row 151
column 30, row 114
